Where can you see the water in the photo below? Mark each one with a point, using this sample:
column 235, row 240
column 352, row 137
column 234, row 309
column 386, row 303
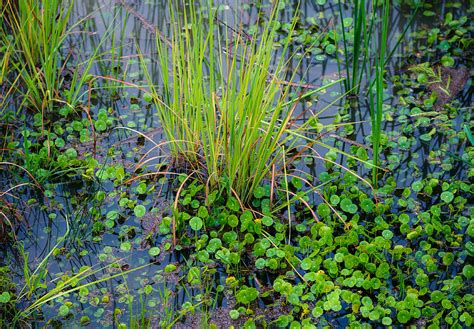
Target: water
column 128, row 25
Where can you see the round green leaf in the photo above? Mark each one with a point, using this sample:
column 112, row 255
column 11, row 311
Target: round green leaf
column 154, row 251
column 59, row 142
column 403, row 316
column 233, row 221
column 196, row 223
column 63, row 310
column 468, row 271
column 447, row 61
column 100, row 125
column 267, row 221
column 234, row 314
column 71, row 153
column 5, row 297
column 387, row 234
column 139, row 210
column 330, row 49
column 447, row 196
column 147, row 97
column 125, row 246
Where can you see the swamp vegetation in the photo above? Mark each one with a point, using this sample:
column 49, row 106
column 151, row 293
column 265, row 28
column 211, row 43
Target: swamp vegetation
column 236, row 164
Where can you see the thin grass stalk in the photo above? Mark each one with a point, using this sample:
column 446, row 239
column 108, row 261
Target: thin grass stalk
column 378, row 106
column 347, row 83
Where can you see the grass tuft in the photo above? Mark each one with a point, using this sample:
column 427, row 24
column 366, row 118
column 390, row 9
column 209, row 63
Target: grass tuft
column 222, row 102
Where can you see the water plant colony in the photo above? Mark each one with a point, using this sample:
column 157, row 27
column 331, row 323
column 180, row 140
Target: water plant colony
column 228, row 164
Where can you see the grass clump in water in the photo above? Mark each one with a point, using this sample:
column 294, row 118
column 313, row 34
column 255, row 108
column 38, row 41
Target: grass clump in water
column 35, row 32
column 223, row 104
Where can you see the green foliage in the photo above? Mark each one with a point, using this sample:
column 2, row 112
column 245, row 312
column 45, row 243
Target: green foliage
column 235, row 115
column 335, row 265
column 39, row 30
column 398, row 255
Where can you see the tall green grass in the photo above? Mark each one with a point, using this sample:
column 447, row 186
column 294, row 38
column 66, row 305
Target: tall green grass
column 366, row 53
column 222, row 104
column 38, row 30
column 376, row 96
column 34, row 34
column 361, row 37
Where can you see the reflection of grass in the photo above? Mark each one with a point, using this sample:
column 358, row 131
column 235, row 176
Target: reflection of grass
column 221, row 109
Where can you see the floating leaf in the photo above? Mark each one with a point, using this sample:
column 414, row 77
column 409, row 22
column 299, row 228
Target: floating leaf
column 125, row 246
column 234, row 314
column 468, row 271
column 170, row 268
column 233, row 204
column 259, row 192
column 387, row 234
column 324, row 210
column 147, row 97
column 196, row 223
column 417, row 186
column 267, row 221
column 5, row 297
column 233, row 221
column 403, row 316
column 447, row 61
column 71, row 153
column 447, row 196
column 139, row 211
column 100, row 125
column 63, row 310
column 154, row 251
column 330, row 49
column 348, row 206
column 246, row 295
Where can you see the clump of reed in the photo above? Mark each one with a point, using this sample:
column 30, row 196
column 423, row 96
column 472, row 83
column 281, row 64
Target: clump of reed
column 366, row 54
column 223, row 102
column 35, row 32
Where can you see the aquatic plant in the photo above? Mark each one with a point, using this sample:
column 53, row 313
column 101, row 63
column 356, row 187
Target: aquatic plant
column 37, row 30
column 224, row 107
column 366, row 52
column 311, row 247
column 376, row 100
column 361, row 35
column 9, row 217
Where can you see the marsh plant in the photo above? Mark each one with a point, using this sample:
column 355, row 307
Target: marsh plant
column 33, row 35
column 224, row 103
column 366, row 52
column 35, row 32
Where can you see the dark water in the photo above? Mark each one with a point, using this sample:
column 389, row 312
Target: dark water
column 124, row 26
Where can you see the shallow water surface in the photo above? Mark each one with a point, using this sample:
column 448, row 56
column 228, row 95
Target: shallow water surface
column 117, row 29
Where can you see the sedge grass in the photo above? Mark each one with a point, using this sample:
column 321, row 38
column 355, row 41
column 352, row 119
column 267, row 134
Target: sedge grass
column 360, row 45
column 376, row 97
column 38, row 29
column 367, row 45
column 221, row 103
